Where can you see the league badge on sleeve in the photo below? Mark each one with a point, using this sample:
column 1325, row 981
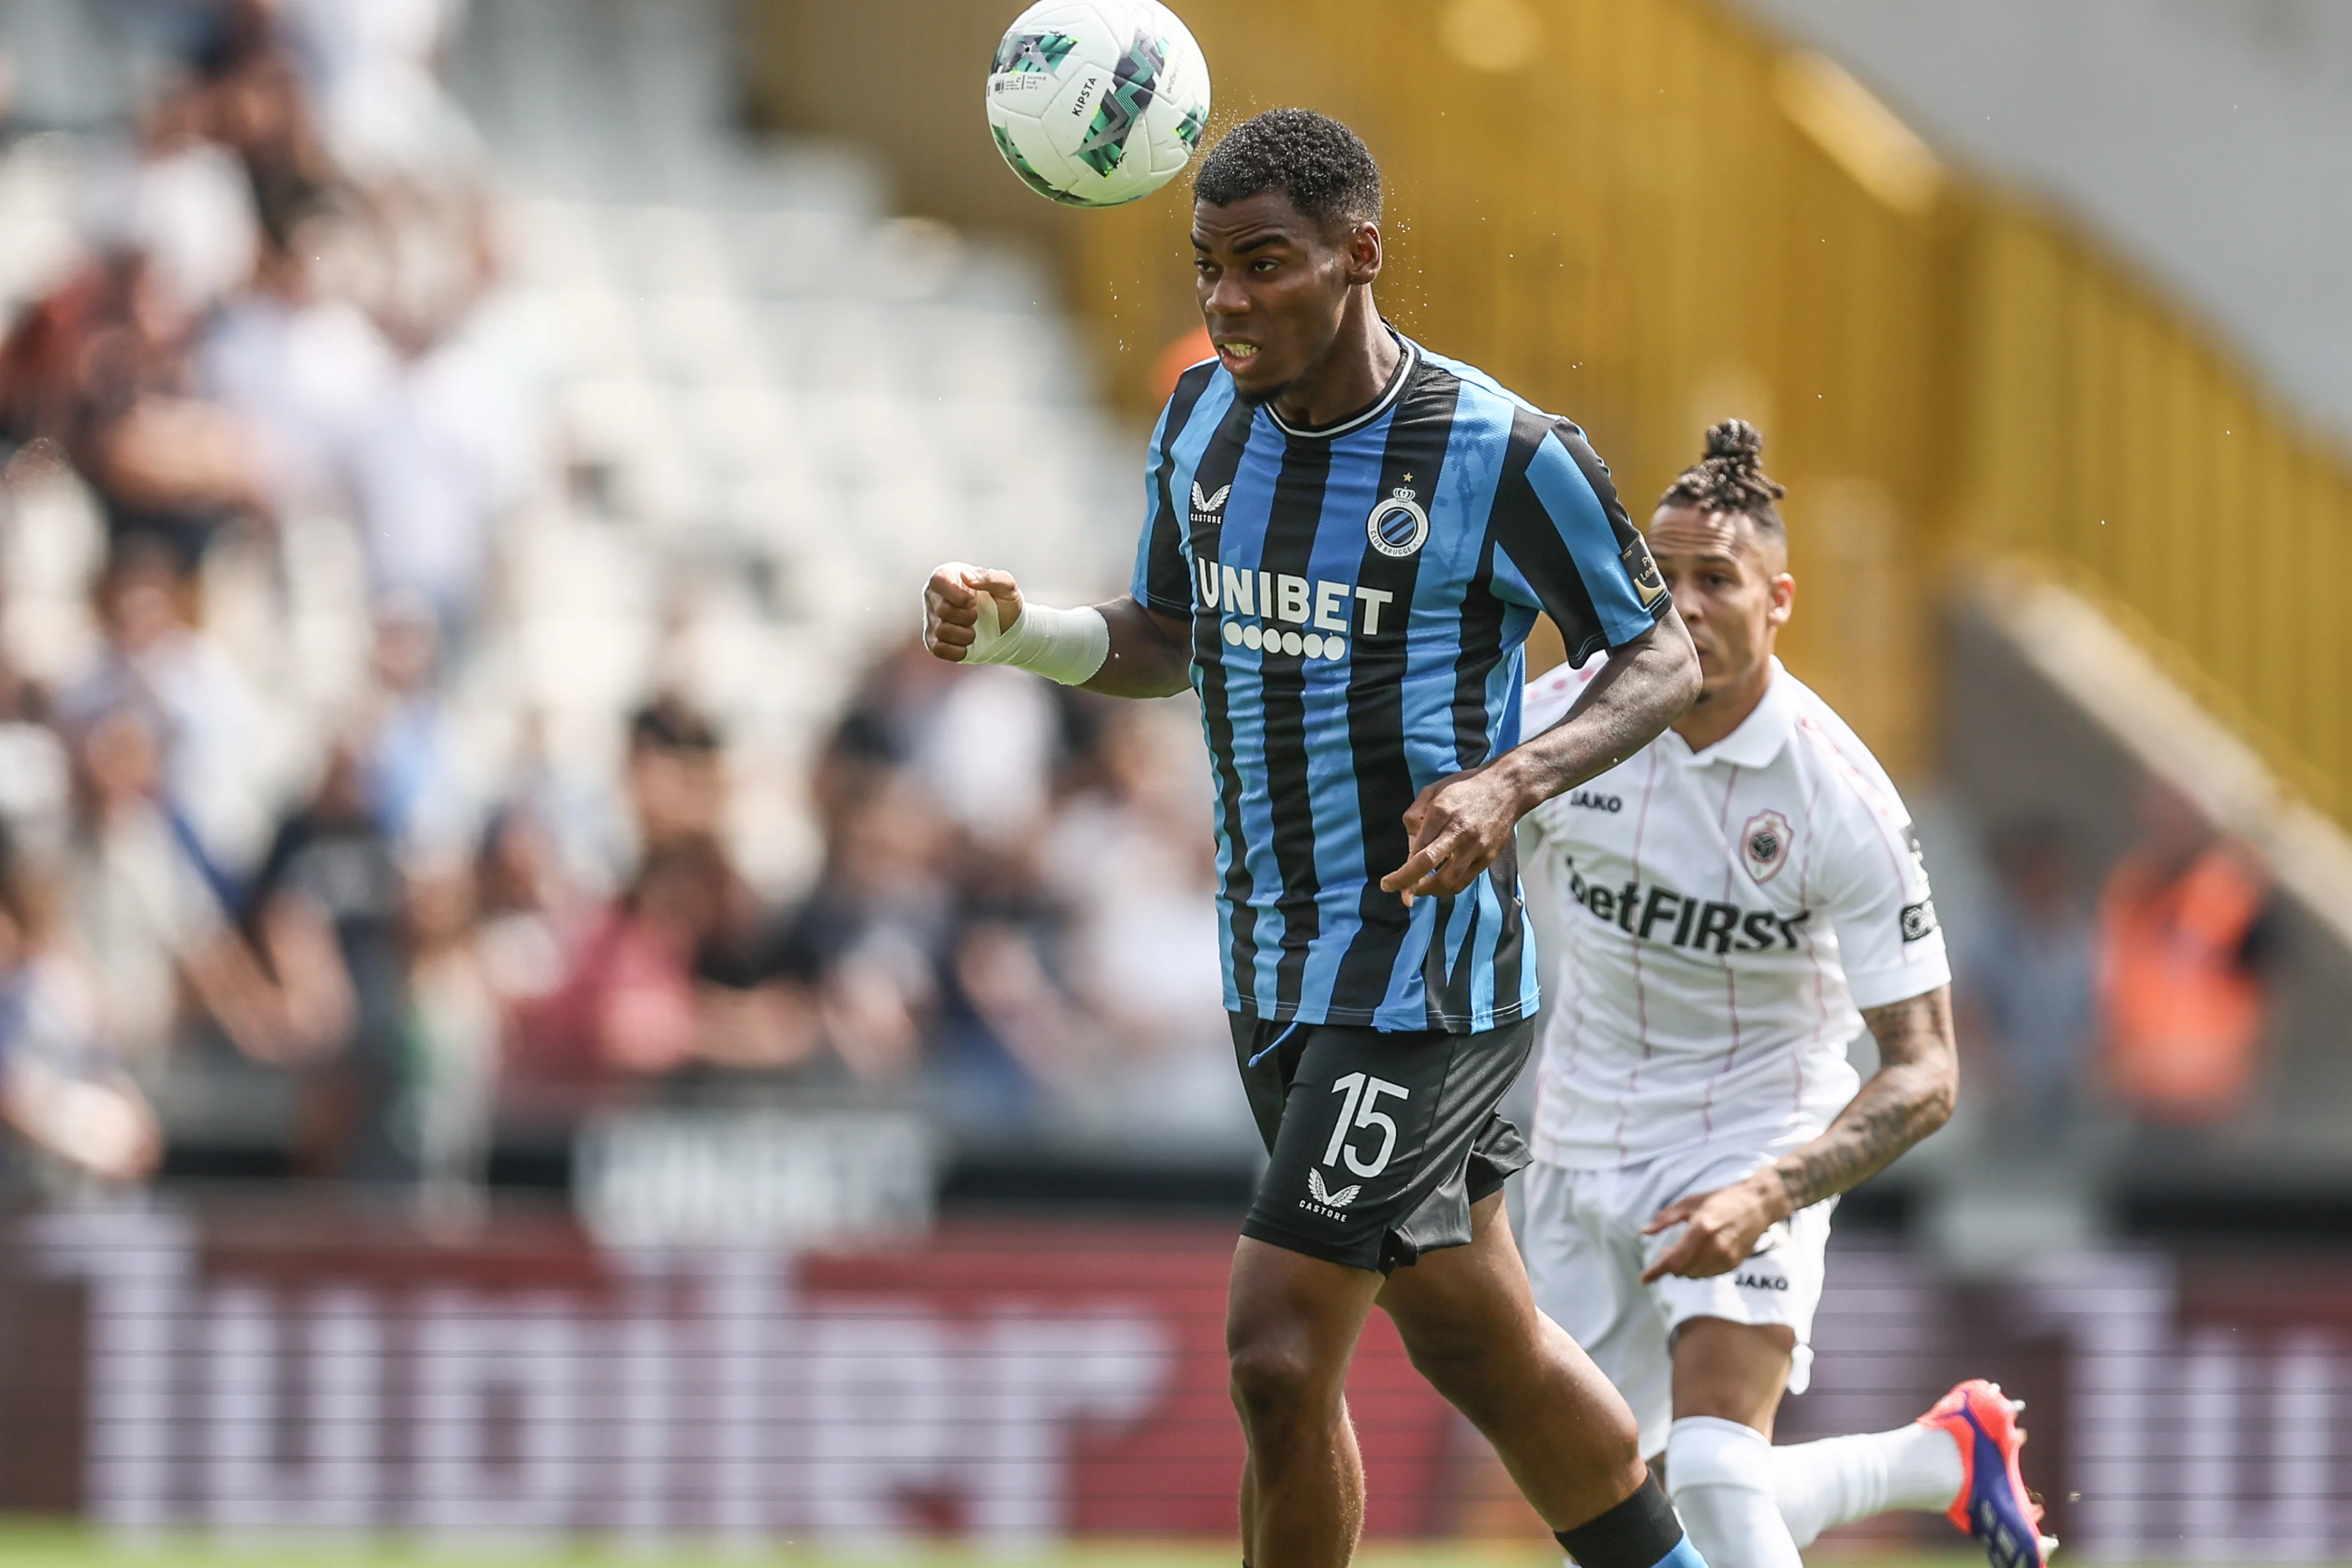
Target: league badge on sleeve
column 1644, row 570
column 1764, row 842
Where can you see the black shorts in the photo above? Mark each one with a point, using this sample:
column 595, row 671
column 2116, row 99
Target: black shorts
column 1381, row 1141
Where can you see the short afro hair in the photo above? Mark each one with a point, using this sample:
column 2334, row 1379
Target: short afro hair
column 1324, row 167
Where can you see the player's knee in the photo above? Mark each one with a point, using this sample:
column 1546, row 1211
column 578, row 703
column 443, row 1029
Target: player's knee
column 1276, row 1375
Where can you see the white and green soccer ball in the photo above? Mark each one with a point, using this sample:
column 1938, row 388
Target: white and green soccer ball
column 1095, row 102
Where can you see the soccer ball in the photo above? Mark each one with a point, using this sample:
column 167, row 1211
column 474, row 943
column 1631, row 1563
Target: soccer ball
column 1095, row 102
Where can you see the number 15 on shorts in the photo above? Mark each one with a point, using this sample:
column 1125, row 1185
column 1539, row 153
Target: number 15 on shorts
column 1361, row 1110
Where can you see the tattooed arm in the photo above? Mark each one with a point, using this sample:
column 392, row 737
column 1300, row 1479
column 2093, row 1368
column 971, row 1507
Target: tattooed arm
column 1910, row 1095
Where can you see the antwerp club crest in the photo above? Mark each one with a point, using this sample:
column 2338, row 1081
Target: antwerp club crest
column 1764, row 845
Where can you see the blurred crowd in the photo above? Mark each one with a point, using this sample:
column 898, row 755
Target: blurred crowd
column 222, row 862
column 2144, row 997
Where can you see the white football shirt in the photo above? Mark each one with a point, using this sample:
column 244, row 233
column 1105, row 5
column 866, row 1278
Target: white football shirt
column 1722, row 918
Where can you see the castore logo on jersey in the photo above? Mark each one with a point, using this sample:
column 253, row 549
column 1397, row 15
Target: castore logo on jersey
column 1209, row 510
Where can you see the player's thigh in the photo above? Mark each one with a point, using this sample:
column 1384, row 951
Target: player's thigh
column 1585, row 1261
column 1776, row 1291
column 1291, row 1324
column 1733, row 1372
column 1466, row 1313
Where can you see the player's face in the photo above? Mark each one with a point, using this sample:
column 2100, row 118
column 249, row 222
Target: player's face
column 1731, row 584
column 1273, row 285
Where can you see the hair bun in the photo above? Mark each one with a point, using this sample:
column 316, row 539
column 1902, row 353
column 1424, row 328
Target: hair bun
column 1736, row 439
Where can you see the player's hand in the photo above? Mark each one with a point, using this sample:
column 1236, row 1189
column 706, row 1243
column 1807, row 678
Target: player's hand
column 951, row 606
column 1458, row 825
column 1720, row 1228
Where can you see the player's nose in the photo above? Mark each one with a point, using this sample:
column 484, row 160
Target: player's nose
column 1227, row 297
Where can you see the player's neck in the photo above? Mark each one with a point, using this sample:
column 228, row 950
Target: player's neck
column 1348, row 378
column 1718, row 713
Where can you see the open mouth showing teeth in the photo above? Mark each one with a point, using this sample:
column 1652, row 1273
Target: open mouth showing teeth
column 1238, row 350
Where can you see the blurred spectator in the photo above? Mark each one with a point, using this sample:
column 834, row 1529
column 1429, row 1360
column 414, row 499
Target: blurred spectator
column 207, row 714
column 525, row 912
column 179, row 197
column 865, row 947
column 2185, row 930
column 139, row 904
column 657, row 981
column 35, row 775
column 60, row 1089
column 327, row 911
column 2032, row 979
column 453, row 1028
column 303, row 365
column 675, row 775
column 1127, row 860
column 259, row 112
column 386, row 114
column 412, row 763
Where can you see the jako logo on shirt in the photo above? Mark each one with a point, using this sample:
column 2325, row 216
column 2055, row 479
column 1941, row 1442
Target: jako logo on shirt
column 1611, row 803
column 1398, row 526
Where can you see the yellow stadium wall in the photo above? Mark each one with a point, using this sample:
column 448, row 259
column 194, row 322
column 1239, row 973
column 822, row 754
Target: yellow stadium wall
column 1645, row 215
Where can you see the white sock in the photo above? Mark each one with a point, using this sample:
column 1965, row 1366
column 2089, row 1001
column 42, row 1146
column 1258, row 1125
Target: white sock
column 1840, row 1479
column 1721, row 1478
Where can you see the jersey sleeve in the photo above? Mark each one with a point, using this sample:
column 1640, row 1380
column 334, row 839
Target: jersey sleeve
column 1564, row 544
column 1162, row 581
column 1876, row 887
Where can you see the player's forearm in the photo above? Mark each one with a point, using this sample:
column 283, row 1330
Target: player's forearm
column 1910, row 1095
column 1647, row 685
column 1144, row 659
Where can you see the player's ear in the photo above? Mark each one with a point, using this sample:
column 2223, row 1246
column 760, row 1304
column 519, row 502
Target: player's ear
column 1784, row 599
column 1363, row 246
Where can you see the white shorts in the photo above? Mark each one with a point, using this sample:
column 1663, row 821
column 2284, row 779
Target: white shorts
column 1585, row 1252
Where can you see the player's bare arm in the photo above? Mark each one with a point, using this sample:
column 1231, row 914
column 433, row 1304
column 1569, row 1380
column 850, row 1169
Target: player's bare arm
column 1149, row 654
column 1911, row 1095
column 1460, row 824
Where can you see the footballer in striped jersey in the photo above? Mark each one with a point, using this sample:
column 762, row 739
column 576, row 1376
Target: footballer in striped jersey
column 1346, row 540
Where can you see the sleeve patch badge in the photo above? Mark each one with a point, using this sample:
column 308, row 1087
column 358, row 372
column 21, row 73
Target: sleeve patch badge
column 1919, row 920
column 1644, row 570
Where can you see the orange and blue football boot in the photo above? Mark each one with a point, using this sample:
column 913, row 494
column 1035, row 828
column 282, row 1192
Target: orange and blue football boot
column 1994, row 1505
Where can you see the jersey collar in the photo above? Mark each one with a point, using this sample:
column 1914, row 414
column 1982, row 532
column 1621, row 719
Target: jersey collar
column 1763, row 732
column 1354, row 422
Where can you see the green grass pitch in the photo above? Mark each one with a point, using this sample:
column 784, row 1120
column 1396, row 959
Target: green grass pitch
column 66, row 1546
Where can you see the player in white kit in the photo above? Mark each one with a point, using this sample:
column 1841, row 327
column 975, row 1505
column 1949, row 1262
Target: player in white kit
column 1729, row 906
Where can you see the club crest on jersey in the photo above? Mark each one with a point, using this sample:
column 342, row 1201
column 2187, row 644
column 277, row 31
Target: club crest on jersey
column 1398, row 526
column 1209, row 509
column 1764, row 845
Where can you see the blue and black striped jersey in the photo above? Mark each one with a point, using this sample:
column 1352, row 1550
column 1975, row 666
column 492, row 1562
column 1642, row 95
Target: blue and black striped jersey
column 1359, row 593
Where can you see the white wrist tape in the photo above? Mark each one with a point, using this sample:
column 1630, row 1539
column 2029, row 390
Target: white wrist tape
column 1068, row 646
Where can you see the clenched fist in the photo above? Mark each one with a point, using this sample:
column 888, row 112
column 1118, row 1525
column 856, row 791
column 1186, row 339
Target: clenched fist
column 951, row 606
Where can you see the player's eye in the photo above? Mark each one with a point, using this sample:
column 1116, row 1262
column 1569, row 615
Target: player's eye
column 1262, row 264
